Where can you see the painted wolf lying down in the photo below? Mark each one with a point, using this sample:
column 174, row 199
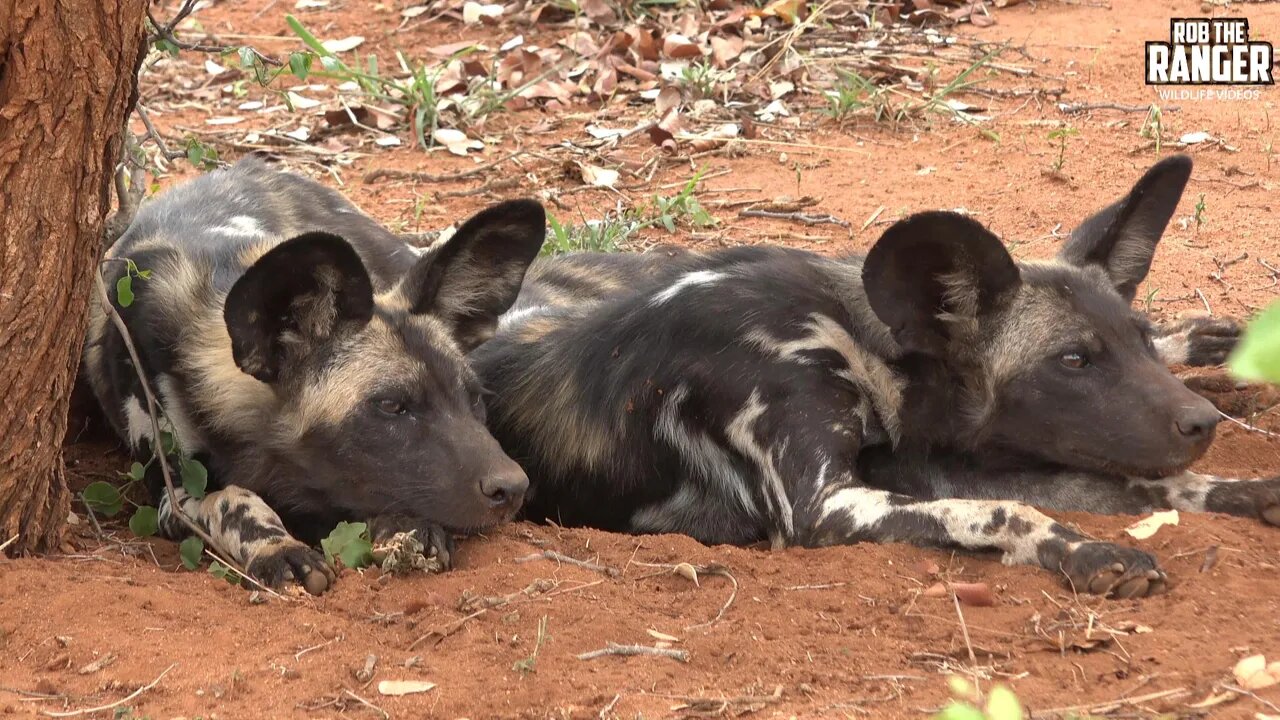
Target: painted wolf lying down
column 314, row 363
column 926, row 393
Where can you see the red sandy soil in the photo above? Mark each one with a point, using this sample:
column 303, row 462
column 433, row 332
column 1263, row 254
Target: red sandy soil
column 841, row 632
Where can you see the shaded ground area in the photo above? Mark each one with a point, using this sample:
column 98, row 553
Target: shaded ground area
column 842, row 632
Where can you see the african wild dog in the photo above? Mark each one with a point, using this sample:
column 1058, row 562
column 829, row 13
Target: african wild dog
column 919, row 394
column 314, row 363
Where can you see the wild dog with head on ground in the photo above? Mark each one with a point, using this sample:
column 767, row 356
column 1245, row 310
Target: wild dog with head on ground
column 921, row 394
column 314, row 363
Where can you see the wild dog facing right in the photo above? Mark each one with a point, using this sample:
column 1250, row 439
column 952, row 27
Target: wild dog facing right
column 314, row 363
column 767, row 393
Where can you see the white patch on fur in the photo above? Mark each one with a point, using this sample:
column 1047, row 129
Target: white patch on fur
column 516, row 317
column 965, row 521
column 1186, row 491
column 702, row 456
column 175, row 413
column 241, row 226
column 691, row 279
column 137, row 422
column 741, row 434
column 1173, row 349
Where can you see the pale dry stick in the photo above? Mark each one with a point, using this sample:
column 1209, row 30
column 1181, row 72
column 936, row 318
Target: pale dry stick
column 872, row 218
column 1270, row 705
column 604, row 711
column 565, row 559
column 449, row 629
column 682, row 183
column 803, row 218
column 367, row 704
column 1080, row 107
column 1204, row 300
column 298, row 655
column 964, row 628
column 393, row 174
column 632, row 650
column 723, row 571
column 116, row 704
column 153, row 410
column 784, row 143
column 267, row 590
column 1108, row 705
column 8, row 542
column 1247, row 426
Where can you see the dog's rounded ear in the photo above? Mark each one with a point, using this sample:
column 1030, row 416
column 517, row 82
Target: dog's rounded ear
column 932, row 276
column 474, row 276
column 1122, row 237
column 301, row 291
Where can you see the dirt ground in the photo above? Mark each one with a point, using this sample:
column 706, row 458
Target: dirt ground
column 837, row 633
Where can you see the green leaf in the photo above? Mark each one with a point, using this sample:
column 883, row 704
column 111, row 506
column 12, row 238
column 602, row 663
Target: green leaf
column 300, row 65
column 103, row 497
column 144, row 274
column 145, row 521
column 1257, row 357
column 960, row 711
column 124, row 291
column 195, row 478
column 137, row 471
column 1002, row 704
column 195, row 153
column 307, row 38
column 191, row 549
column 167, row 443
column 349, row 542
column 219, row 570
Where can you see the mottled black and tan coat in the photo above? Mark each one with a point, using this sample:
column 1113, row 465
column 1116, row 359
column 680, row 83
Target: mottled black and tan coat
column 929, row 392
column 314, row 362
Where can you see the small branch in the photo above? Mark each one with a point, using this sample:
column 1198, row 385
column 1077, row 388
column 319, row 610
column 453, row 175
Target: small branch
column 153, row 409
column 823, row 219
column 1080, row 107
column 8, row 542
column 448, row 630
column 155, row 135
column 118, row 703
column 631, row 650
column 604, row 711
column 1107, row 706
column 1247, row 426
column 561, row 558
column 367, row 704
column 393, row 174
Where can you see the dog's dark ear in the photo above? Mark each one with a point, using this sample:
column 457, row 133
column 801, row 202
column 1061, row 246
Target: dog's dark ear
column 934, row 275
column 302, row 291
column 1122, row 238
column 473, row 277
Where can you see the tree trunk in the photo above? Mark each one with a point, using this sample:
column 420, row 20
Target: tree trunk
column 68, row 71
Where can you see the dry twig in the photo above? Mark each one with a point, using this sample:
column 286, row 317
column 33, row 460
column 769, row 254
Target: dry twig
column 630, row 650
column 561, row 558
column 116, row 704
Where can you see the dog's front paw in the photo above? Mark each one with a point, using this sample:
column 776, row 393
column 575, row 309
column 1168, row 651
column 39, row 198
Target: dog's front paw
column 1198, row 341
column 1114, row 571
column 1246, row 498
column 287, row 560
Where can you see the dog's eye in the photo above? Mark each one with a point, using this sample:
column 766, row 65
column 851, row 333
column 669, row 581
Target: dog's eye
column 1074, row 360
column 389, row 406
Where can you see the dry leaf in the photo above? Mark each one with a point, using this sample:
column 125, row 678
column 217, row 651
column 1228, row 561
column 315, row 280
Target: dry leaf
column 404, row 687
column 301, row 103
column 349, row 116
column 687, row 571
column 1214, row 699
column 599, row 12
column 213, row 68
column 662, row 636
column 229, row 120
column 1148, row 526
column 474, row 12
column 413, row 12
column 310, row 4
column 598, row 176
column 1248, row 666
column 456, row 141
column 725, row 49
column 387, row 141
column 789, row 10
column 1195, row 138
column 667, row 100
column 346, row 44
column 680, row 47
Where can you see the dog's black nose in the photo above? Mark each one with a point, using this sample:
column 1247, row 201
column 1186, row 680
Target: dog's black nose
column 506, row 489
column 1198, row 422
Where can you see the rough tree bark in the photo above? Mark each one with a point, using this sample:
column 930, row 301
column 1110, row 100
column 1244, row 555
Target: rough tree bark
column 68, row 72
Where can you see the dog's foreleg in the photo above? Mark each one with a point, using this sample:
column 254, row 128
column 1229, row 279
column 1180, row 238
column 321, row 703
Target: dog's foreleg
column 245, row 529
column 848, row 512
